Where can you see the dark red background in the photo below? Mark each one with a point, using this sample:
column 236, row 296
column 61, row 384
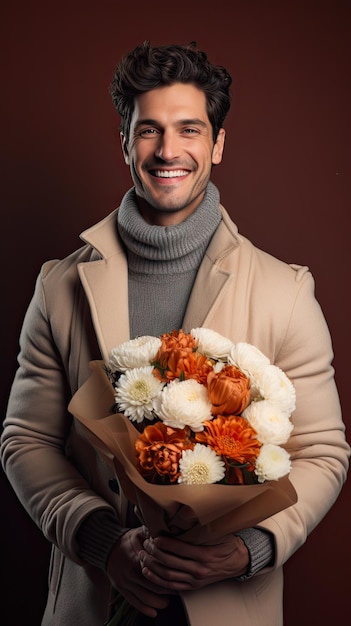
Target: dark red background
column 285, row 180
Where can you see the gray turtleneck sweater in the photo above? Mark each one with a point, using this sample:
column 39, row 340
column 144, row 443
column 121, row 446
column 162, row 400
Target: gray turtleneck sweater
column 163, row 262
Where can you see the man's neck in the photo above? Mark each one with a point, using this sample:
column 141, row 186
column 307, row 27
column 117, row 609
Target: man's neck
column 159, row 217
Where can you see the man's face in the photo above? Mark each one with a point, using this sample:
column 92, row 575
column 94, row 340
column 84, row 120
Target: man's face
column 171, row 152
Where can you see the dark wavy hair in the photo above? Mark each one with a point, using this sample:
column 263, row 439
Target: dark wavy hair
column 146, row 68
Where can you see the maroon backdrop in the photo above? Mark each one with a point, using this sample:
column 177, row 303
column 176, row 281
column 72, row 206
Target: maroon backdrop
column 285, row 180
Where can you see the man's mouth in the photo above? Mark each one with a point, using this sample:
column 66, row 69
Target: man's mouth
column 168, row 173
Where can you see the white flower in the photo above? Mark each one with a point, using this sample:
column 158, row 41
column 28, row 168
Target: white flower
column 200, row 466
column 251, row 361
column 275, row 386
column 271, row 425
column 247, row 357
column 136, row 352
column 184, row 403
column 272, row 463
column 136, row 392
column 211, row 343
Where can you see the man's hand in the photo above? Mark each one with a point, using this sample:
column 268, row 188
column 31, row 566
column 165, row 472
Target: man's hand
column 178, row 566
column 124, row 572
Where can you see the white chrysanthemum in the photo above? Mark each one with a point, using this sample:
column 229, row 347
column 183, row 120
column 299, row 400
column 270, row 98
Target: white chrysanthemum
column 137, row 352
column 277, row 388
column 271, row 425
column 211, row 343
column 251, row 361
column 200, row 466
column 184, row 403
column 136, row 392
column 272, row 463
column 247, row 357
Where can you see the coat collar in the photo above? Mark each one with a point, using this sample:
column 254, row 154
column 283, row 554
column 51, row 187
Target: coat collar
column 212, row 276
column 105, row 280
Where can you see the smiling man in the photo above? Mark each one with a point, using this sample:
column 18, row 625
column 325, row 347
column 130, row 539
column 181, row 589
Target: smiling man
column 168, row 257
column 170, row 151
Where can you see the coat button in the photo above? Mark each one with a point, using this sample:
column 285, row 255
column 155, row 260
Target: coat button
column 113, row 484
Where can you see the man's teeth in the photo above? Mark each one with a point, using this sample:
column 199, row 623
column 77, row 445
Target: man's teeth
column 170, row 174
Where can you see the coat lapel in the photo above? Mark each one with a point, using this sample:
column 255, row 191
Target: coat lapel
column 212, row 278
column 208, row 285
column 105, row 282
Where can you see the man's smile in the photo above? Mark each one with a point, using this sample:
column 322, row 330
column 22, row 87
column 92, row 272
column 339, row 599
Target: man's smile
column 169, row 173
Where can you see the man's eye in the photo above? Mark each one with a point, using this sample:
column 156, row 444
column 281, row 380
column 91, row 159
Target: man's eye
column 190, row 131
column 148, row 131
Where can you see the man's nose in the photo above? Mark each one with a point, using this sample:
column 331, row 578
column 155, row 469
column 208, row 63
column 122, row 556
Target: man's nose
column 168, row 147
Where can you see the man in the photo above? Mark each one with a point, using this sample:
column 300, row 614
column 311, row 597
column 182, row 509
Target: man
column 170, row 257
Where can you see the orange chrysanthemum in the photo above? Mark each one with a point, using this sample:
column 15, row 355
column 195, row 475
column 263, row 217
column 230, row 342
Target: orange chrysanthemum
column 177, row 340
column 159, row 449
column 178, row 358
column 228, row 391
column 233, row 438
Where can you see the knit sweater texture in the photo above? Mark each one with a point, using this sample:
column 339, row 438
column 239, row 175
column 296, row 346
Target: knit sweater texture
column 163, row 262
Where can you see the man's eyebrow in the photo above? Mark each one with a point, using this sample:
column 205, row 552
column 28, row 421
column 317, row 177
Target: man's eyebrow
column 194, row 121
column 146, row 122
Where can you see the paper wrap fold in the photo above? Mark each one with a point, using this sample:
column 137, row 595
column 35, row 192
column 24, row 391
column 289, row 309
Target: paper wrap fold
column 199, row 514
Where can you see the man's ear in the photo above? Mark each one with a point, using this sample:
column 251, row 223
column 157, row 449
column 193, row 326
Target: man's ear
column 124, row 148
column 218, row 147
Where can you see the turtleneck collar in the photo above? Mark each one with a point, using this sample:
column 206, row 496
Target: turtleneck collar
column 167, row 249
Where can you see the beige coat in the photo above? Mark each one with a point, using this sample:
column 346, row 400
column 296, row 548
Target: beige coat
column 241, row 292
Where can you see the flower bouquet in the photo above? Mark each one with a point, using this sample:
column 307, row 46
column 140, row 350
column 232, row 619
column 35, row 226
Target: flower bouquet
column 183, row 418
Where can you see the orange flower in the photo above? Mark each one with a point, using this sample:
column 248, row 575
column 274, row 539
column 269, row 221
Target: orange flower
column 177, row 340
column 178, row 358
column 159, row 448
column 228, row 391
column 233, row 438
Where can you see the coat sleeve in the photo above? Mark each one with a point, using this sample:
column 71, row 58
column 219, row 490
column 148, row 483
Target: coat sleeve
column 318, row 448
column 37, row 427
